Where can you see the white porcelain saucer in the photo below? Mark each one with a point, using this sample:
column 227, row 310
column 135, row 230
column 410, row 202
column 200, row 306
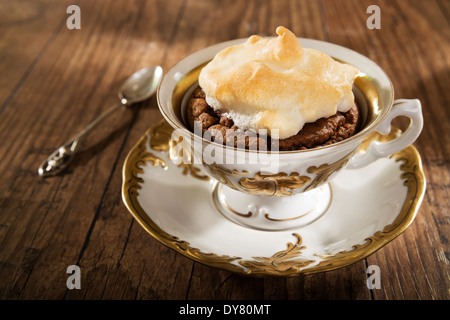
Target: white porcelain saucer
column 175, row 204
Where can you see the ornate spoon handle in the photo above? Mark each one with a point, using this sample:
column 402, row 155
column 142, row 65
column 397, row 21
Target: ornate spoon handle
column 61, row 157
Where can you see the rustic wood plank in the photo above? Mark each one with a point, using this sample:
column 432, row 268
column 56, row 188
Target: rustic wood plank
column 27, row 28
column 345, row 283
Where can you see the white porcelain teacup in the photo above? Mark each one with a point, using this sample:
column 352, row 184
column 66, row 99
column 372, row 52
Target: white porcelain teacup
column 286, row 189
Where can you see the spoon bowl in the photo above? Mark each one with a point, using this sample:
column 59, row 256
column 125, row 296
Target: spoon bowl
column 141, row 85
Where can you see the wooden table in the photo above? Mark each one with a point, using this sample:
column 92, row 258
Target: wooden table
column 54, row 80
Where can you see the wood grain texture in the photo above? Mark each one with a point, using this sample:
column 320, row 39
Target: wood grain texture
column 53, row 81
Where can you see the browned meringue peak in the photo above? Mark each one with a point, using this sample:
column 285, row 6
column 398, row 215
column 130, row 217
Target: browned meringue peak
column 274, row 83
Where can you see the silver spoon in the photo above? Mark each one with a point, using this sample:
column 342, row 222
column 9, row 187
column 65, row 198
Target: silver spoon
column 138, row 87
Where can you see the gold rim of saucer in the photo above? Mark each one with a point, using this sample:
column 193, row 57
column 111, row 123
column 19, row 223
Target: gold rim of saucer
column 411, row 173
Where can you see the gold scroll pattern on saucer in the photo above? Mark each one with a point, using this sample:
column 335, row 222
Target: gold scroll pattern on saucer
column 288, row 261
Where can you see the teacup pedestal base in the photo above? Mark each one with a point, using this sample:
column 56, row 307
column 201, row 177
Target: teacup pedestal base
column 272, row 213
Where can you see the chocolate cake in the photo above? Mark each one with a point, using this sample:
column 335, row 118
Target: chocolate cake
column 221, row 129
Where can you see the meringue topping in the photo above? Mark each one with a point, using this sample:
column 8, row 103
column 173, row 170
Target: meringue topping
column 276, row 84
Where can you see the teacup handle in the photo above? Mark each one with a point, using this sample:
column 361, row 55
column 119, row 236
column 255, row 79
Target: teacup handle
column 410, row 108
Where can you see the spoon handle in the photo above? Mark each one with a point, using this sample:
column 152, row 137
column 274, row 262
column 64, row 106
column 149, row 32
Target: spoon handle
column 61, row 157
